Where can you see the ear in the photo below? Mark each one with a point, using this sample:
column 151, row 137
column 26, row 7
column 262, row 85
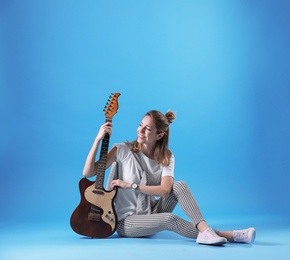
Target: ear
column 159, row 136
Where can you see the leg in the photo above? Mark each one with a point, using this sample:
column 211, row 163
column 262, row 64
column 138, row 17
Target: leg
column 239, row 236
column 147, row 225
column 162, row 217
column 227, row 234
column 207, row 235
column 181, row 194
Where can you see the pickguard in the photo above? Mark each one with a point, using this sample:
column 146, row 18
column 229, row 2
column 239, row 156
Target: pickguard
column 103, row 200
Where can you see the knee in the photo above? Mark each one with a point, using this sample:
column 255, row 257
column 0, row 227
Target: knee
column 180, row 185
column 170, row 222
column 169, row 217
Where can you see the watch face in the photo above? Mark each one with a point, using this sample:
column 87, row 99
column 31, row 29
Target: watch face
column 134, row 186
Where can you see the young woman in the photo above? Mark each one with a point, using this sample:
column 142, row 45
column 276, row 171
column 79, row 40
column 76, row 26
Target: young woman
column 146, row 171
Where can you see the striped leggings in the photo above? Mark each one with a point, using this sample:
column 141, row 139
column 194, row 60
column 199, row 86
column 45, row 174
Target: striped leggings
column 162, row 217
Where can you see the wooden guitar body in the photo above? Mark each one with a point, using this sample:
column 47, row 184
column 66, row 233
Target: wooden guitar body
column 95, row 218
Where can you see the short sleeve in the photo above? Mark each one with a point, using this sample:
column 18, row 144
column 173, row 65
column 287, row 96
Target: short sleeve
column 169, row 170
column 122, row 151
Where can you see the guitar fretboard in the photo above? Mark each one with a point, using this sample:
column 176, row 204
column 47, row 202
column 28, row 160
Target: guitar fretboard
column 102, row 163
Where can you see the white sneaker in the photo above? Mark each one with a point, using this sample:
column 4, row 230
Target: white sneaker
column 209, row 237
column 244, row 236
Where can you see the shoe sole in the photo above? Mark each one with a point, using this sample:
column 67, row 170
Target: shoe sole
column 214, row 243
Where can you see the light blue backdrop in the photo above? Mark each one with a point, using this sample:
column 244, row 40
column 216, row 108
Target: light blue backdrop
column 223, row 66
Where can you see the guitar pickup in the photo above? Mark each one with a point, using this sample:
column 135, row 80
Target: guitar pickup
column 99, row 192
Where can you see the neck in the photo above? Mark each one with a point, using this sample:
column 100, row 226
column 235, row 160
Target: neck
column 149, row 152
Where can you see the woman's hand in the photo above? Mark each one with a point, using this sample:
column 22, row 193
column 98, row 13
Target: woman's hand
column 121, row 184
column 104, row 129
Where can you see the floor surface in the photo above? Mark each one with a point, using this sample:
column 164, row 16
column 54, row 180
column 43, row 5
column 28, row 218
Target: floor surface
column 60, row 242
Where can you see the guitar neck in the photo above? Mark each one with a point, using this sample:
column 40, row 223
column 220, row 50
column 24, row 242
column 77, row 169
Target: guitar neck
column 102, row 163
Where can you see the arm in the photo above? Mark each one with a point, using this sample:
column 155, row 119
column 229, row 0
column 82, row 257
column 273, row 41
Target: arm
column 162, row 190
column 90, row 168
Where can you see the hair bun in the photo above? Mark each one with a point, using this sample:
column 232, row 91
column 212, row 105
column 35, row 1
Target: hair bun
column 170, row 116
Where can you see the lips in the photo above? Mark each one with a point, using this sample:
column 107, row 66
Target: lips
column 141, row 137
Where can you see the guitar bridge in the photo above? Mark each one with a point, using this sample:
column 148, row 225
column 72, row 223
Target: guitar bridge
column 94, row 216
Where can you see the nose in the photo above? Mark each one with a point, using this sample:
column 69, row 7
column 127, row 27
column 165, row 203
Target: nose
column 142, row 129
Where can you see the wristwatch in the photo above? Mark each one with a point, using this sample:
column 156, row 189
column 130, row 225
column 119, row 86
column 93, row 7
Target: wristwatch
column 134, row 186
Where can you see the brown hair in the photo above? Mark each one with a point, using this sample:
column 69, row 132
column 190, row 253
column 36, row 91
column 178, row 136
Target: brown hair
column 161, row 152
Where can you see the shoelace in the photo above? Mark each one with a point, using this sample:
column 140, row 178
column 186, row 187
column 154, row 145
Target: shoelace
column 240, row 235
column 211, row 231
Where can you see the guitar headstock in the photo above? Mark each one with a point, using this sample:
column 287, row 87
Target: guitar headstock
column 112, row 105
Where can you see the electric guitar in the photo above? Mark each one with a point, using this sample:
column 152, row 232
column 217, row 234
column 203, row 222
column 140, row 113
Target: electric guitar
column 95, row 216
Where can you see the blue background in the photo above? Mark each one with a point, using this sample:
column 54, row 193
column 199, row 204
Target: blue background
column 222, row 66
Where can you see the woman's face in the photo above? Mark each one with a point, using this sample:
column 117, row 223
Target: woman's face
column 147, row 132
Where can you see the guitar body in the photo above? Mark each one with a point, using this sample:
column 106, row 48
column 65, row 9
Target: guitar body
column 95, row 216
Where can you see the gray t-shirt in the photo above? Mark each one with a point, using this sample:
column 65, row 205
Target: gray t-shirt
column 126, row 199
